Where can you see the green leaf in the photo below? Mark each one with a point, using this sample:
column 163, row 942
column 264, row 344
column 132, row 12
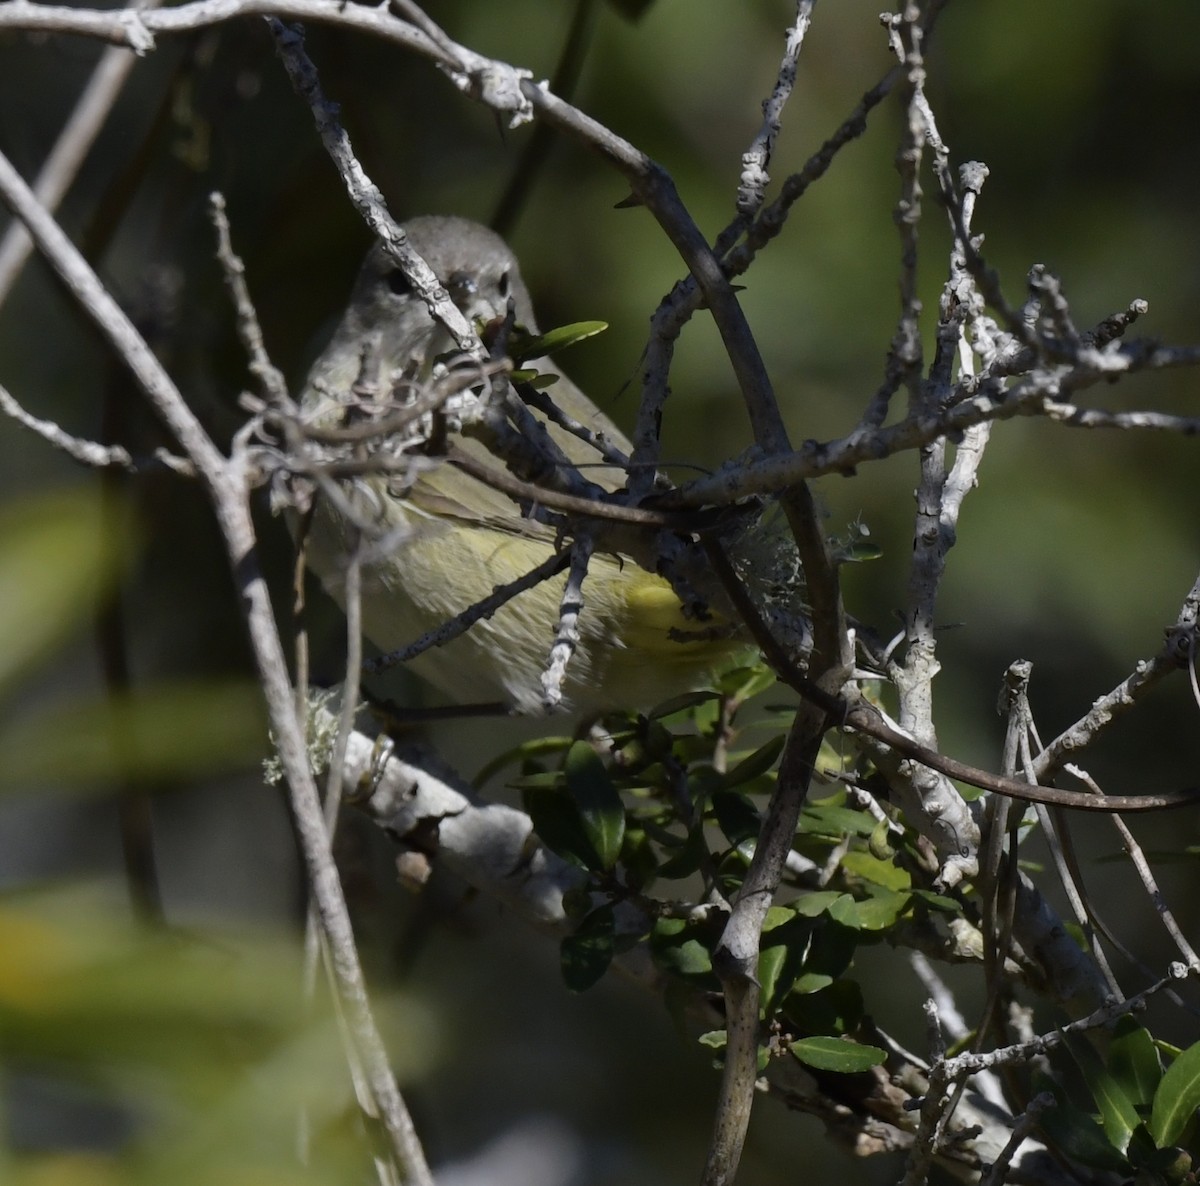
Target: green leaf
column 845, row 911
column 878, row 872
column 675, row 947
column 837, row 1054
column 56, row 562
column 586, row 953
column 1177, row 1098
column 686, row 860
column 1075, row 1133
column 536, row 379
column 757, row 763
column 558, row 339
column 811, row 982
column 776, row 917
column 771, row 962
column 599, row 802
column 818, row 902
column 938, row 902
column 880, row 910
column 1134, row 1062
column 827, row 819
column 1171, row 1166
column 558, row 825
column 741, row 683
column 689, row 958
column 638, row 859
column 1117, row 1112
column 157, row 733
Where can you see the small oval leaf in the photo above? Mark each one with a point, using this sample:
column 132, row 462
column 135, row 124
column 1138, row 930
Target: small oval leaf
column 837, row 1054
column 558, row 339
column 598, row 801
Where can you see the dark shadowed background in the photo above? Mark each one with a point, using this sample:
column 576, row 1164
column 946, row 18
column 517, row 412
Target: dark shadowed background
column 1074, row 553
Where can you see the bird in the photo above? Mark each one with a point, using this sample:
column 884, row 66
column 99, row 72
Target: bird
column 452, row 538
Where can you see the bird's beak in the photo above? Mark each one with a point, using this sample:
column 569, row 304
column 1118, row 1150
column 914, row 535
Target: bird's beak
column 464, row 292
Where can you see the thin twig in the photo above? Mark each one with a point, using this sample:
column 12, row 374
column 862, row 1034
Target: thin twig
column 462, row 622
column 249, row 329
column 1145, row 873
column 70, row 150
column 92, row 453
column 754, row 180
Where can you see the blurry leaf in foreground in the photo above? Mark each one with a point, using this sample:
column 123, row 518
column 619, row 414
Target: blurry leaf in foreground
column 55, row 562
column 203, row 1039
column 163, row 731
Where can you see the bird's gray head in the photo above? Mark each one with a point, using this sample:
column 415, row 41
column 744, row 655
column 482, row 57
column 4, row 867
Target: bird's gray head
column 474, row 265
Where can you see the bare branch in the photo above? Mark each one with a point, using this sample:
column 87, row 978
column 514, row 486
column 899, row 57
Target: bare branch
column 755, row 178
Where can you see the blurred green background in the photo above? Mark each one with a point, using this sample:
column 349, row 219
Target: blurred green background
column 1075, row 551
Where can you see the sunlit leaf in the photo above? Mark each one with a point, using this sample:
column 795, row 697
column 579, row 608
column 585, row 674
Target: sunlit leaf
column 771, row 963
column 878, row 912
column 1177, row 1098
column 818, row 902
column 878, row 872
column 677, row 950
column 810, row 982
column 558, row 339
column 777, row 916
column 857, row 552
column 1134, row 1062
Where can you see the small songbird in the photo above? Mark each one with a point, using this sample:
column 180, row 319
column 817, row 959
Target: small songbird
column 449, row 539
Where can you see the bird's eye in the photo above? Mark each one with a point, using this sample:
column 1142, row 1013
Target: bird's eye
column 398, row 282
column 505, row 285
